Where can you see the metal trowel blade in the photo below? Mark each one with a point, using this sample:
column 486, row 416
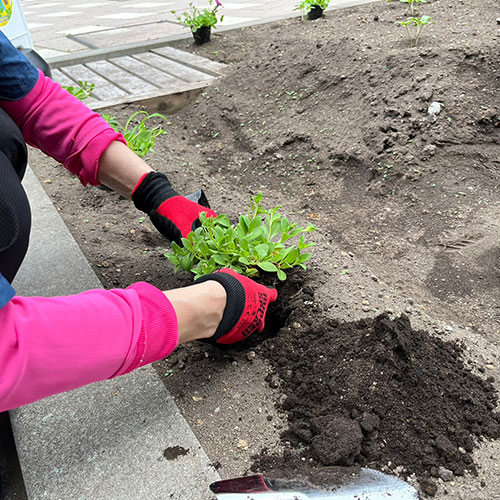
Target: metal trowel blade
column 199, row 197
column 365, row 484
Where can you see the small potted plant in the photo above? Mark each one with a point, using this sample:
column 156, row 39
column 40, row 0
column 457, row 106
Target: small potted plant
column 201, row 21
column 313, row 9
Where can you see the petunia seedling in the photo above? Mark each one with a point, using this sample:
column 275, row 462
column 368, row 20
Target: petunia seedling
column 305, row 6
column 81, row 91
column 196, row 18
column 263, row 240
column 139, row 136
column 414, row 27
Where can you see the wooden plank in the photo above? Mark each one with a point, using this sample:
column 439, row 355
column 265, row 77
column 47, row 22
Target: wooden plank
column 173, row 68
column 132, row 84
column 159, row 102
column 59, row 77
column 192, row 60
column 104, row 89
column 154, row 75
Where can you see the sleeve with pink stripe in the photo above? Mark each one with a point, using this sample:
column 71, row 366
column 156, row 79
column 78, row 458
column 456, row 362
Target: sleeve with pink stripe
column 54, row 121
column 51, row 345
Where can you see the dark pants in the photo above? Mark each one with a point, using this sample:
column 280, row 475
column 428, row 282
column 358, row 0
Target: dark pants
column 15, row 214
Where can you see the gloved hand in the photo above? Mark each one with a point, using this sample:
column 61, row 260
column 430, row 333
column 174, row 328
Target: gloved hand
column 172, row 214
column 246, row 306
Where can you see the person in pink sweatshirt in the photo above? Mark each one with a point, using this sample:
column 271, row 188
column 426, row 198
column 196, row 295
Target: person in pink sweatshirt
column 51, row 345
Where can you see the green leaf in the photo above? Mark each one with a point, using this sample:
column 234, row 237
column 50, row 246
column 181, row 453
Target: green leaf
column 262, row 250
column 222, row 260
column 268, row 266
column 281, row 275
column 254, row 224
column 292, row 256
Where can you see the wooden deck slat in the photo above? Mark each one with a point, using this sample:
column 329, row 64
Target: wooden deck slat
column 123, row 79
column 104, row 90
column 163, row 79
column 154, row 75
column 60, row 77
column 159, row 101
column 192, row 60
column 173, row 68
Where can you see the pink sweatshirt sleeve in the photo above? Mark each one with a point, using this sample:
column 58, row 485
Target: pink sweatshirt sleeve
column 54, row 121
column 52, row 345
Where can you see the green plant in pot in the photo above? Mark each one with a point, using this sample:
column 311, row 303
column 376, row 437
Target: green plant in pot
column 201, row 21
column 262, row 241
column 312, row 9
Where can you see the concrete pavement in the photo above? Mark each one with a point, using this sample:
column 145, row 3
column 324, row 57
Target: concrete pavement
column 61, row 27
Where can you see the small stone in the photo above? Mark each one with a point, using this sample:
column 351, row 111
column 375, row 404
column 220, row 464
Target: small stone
column 251, row 355
column 242, row 444
column 105, row 263
column 296, row 325
column 434, row 108
column 428, row 486
column 445, row 474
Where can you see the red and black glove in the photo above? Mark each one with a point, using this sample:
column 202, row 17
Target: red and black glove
column 246, row 306
column 172, row 214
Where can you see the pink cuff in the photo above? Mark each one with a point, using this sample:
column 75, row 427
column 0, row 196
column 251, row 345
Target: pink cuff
column 159, row 333
column 61, row 126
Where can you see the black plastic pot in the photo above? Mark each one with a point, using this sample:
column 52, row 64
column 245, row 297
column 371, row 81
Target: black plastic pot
column 315, row 13
column 202, row 35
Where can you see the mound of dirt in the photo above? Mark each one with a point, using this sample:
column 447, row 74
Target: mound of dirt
column 378, row 393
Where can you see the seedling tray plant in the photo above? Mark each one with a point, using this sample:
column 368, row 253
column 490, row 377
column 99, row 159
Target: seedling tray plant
column 312, row 9
column 260, row 241
column 201, row 21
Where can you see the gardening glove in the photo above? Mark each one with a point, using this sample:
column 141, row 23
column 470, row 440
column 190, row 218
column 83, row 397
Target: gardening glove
column 173, row 215
column 246, row 306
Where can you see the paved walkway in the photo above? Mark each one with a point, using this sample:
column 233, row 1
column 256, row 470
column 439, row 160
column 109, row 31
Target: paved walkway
column 61, row 27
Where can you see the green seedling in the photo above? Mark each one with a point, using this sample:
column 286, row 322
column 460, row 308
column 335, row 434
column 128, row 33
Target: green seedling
column 259, row 242
column 81, row 91
column 306, row 5
column 140, row 138
column 195, row 18
column 414, row 26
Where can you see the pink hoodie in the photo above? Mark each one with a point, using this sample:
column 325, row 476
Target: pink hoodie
column 51, row 345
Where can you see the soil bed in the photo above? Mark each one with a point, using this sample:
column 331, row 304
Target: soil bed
column 336, row 130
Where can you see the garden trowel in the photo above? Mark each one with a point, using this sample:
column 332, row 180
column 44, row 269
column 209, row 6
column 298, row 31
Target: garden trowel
column 363, row 484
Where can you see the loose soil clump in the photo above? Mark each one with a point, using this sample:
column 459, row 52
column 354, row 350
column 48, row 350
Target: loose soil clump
column 378, row 393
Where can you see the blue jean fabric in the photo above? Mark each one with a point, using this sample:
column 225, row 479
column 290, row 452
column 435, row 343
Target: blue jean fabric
column 17, row 75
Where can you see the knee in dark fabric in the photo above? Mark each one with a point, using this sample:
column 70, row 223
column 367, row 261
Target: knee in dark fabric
column 15, row 220
column 12, row 144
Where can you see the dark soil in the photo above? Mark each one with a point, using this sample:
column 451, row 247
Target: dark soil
column 336, row 129
column 375, row 391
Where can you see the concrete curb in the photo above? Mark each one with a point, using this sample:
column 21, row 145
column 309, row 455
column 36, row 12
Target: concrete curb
column 106, row 440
